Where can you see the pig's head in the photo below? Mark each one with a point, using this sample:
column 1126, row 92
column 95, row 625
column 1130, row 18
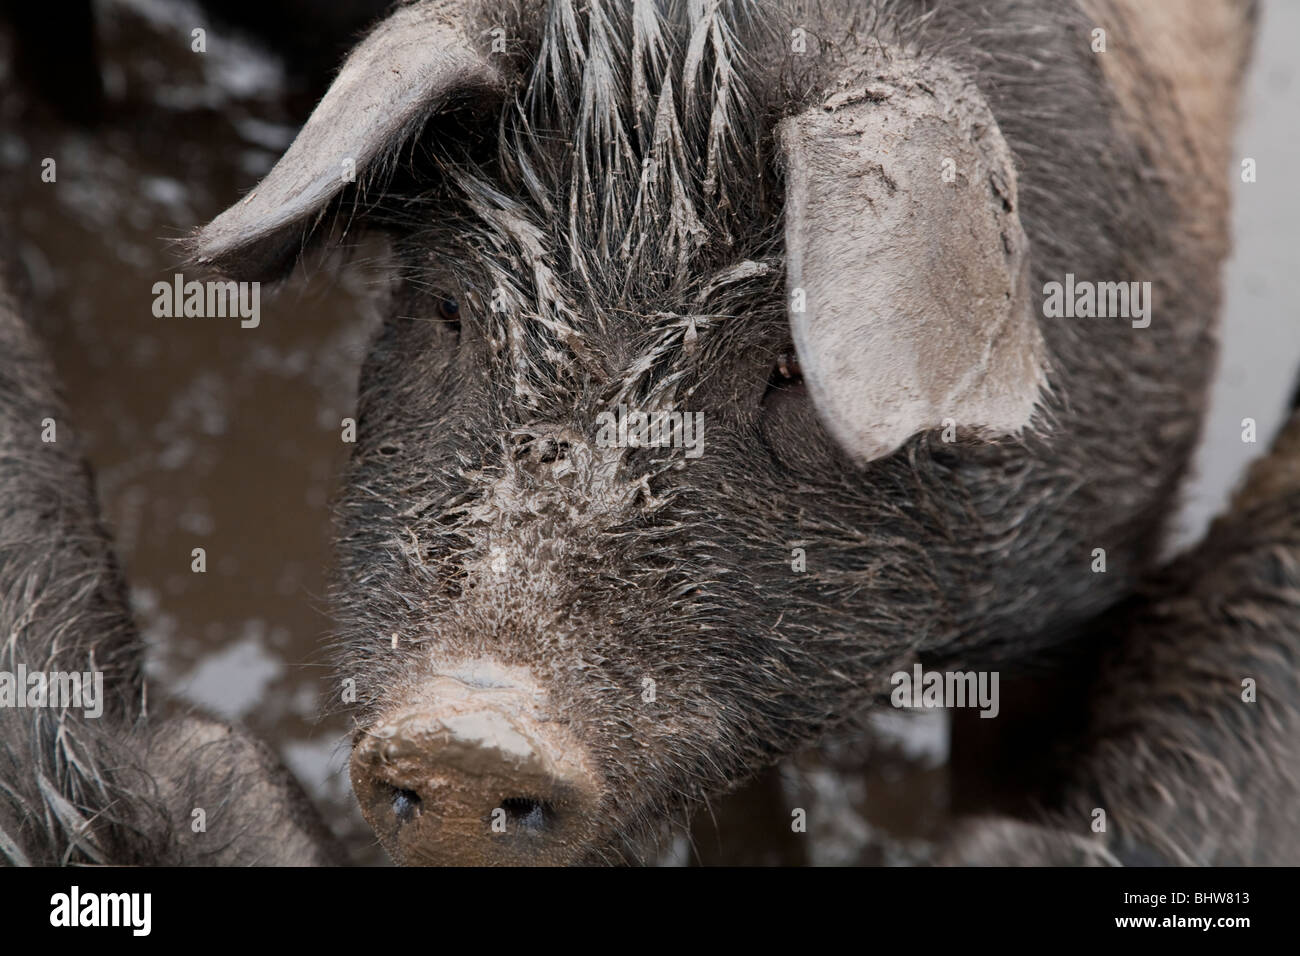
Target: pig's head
column 819, row 242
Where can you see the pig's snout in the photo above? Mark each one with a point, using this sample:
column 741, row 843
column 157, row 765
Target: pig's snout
column 471, row 774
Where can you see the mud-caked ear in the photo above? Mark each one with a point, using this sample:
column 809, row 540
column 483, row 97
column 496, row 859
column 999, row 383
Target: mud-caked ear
column 419, row 62
column 907, row 266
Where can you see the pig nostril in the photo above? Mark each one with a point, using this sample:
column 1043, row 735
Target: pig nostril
column 528, row 813
column 476, row 771
column 406, row 805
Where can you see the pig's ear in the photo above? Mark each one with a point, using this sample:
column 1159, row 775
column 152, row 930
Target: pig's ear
column 415, row 64
column 907, row 266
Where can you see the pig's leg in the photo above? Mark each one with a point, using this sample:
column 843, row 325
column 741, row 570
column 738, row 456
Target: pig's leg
column 113, row 780
column 253, row 810
column 1193, row 749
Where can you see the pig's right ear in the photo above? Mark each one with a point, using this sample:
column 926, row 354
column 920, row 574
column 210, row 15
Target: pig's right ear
column 414, row 65
column 908, row 268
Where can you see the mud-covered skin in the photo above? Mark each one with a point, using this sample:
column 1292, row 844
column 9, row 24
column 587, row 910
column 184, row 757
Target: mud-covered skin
column 1191, row 765
column 480, row 521
column 120, row 788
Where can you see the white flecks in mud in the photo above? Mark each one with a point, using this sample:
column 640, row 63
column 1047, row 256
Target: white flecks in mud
column 159, row 628
column 195, row 519
column 838, row 832
column 921, row 736
column 164, row 190
column 270, row 136
column 231, row 68
column 233, row 681
column 321, row 767
column 678, row 853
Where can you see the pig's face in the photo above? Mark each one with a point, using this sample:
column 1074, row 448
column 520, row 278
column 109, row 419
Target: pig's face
column 562, row 636
column 630, row 617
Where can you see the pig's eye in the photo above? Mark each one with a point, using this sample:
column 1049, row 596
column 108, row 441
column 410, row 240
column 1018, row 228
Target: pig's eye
column 448, row 313
column 787, row 369
column 785, row 377
column 790, row 425
column 785, row 388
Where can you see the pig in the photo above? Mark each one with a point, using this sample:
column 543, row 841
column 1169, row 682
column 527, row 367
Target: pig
column 1191, row 742
column 829, row 229
column 109, row 774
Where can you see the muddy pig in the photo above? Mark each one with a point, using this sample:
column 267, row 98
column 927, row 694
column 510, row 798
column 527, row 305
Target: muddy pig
column 1192, row 737
column 739, row 355
column 92, row 768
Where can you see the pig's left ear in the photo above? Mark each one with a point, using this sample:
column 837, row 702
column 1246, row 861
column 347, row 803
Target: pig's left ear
column 415, row 64
column 907, row 266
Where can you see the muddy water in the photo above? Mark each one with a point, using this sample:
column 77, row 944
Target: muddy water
column 207, row 435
